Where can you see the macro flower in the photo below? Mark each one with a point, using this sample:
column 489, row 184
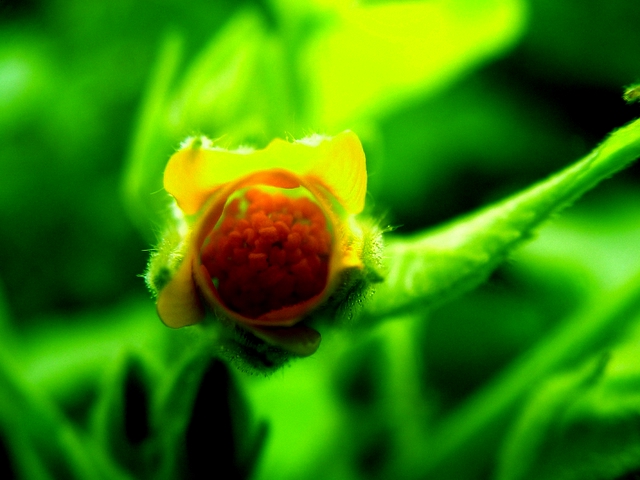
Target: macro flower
column 268, row 234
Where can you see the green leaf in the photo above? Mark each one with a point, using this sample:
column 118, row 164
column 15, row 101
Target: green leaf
column 32, row 423
column 171, row 405
column 221, row 416
column 440, row 264
column 236, row 87
column 200, row 417
column 583, row 430
column 367, row 60
column 121, row 414
column 149, row 149
column 543, row 417
column 104, row 335
column 26, row 458
column 475, row 429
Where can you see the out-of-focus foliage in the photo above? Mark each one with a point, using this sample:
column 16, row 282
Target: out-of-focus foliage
column 458, row 103
column 320, row 68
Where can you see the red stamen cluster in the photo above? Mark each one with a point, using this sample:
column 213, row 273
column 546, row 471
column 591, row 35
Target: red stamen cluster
column 269, row 251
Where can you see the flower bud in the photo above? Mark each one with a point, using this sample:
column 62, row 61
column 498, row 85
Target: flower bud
column 267, row 240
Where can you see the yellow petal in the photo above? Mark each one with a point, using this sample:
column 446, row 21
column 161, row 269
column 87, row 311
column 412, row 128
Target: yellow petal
column 337, row 163
column 178, row 302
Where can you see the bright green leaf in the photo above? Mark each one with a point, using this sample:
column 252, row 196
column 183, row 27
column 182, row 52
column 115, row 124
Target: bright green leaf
column 583, row 430
column 370, row 59
column 171, row 406
column 32, row 422
column 120, row 414
column 149, row 150
column 443, row 263
column 236, row 87
column 542, row 417
column 475, row 429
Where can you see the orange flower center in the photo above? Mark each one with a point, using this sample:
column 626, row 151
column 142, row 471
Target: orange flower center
column 267, row 252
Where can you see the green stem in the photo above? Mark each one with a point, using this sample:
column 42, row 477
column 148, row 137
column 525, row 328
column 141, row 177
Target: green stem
column 435, row 266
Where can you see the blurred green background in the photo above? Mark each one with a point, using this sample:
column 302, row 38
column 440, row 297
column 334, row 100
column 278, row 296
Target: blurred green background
column 458, row 104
